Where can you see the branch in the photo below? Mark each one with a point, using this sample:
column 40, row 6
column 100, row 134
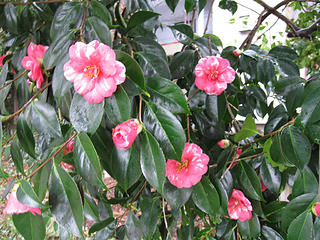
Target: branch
column 83, row 21
column 209, row 16
column 305, row 32
column 37, row 2
column 27, row 103
column 15, row 79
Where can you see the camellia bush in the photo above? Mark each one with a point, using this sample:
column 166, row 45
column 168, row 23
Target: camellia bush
column 87, row 90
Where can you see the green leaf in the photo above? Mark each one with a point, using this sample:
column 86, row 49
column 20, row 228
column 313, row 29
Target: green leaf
column 101, row 225
column 96, row 29
column 85, row 116
column 30, row 226
column 133, row 227
column 250, row 228
column 216, row 107
column 99, row 10
column 25, row 137
column 229, row 5
column 17, row 157
column 296, row 146
column 90, row 208
column 270, row 176
column 276, row 153
column 11, row 18
column 167, row 94
column 296, row 207
column 167, row 130
column 278, row 117
column 133, row 70
column 183, row 33
column 153, row 163
column 288, row 67
column 172, row 4
column 283, row 52
column 203, row 45
column 150, row 215
column 182, row 64
column 206, row 197
column 60, row 85
column 248, row 180
column 248, row 129
column 310, row 109
column 139, row 18
column 153, row 65
column 44, row 119
column 265, row 71
column 118, row 106
column 125, row 165
column 57, row 50
column 27, row 195
column 304, row 182
column 150, row 46
column 67, row 17
column 189, row 5
column 65, row 201
column 41, row 180
column 301, row 228
column 270, row 233
column 176, row 197
column 86, row 160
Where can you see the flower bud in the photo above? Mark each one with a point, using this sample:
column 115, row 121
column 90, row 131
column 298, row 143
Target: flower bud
column 224, row 143
column 236, row 53
column 316, row 209
column 124, row 134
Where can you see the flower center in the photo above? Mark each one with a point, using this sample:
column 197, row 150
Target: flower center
column 182, row 165
column 214, row 74
column 92, row 72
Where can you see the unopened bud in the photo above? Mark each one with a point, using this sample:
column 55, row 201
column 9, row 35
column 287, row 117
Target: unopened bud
column 236, row 53
column 316, row 209
column 224, row 143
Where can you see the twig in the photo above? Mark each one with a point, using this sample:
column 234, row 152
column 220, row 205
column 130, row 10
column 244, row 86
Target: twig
column 213, row 229
column 37, row 2
column 248, row 8
column 210, row 47
column 9, row 140
column 140, row 108
column 83, row 21
column 231, row 114
column 193, row 94
column 125, row 39
column 193, row 16
column 230, row 165
column 27, row 104
column 208, row 19
column 15, row 79
column 165, row 219
column 50, row 158
column 188, row 128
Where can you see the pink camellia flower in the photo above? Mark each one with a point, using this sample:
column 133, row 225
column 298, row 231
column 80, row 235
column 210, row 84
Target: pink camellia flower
column 68, row 149
column 33, row 62
column 212, row 74
column 94, row 71
column 224, row 143
column 316, row 209
column 189, row 171
column 239, row 207
column 1, row 59
column 124, row 134
column 15, row 207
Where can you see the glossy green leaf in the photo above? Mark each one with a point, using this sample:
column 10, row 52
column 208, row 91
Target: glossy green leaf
column 99, row 10
column 125, row 165
column 167, row 94
column 133, row 227
column 101, row 225
column 176, row 197
column 265, row 71
column 248, row 180
column 86, row 160
column 65, row 201
column 270, row 176
column 85, row 116
column 310, row 109
column 304, row 182
column 11, row 18
column 153, row 65
column 60, row 85
column 229, row 5
column 172, row 4
column 139, row 18
column 248, row 129
column 277, row 118
column 41, row 180
column 96, row 29
column 296, row 146
column 17, row 156
column 270, row 233
column 296, row 207
column 90, row 208
column 301, row 228
column 152, row 161
column 283, row 52
column 216, row 107
column 25, row 137
column 44, row 119
column 314, row 133
column 276, row 153
column 203, row 45
column 4, row 92
column 27, row 195
column 150, row 214
column 183, row 33
column 30, row 226
column 133, row 70
column 150, row 46
column 182, row 64
column 189, row 5
column 288, row 67
column 250, row 228
column 118, row 106
column 206, row 197
column 166, row 129
column 67, row 17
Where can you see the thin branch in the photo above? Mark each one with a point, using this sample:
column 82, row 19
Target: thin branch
column 188, row 127
column 230, row 165
column 193, row 16
column 209, row 17
column 165, row 219
column 125, row 39
column 9, row 140
column 193, row 94
column 83, row 21
column 15, row 79
column 50, row 158
column 248, row 8
column 213, row 229
column 231, row 114
column 37, row 2
column 27, row 104
column 209, row 44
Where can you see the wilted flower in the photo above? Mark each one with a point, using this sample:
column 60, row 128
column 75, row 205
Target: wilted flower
column 13, row 206
column 94, row 71
column 239, row 207
column 124, row 134
column 224, row 143
column 316, row 209
column 68, row 149
column 212, row 74
column 189, row 171
column 33, row 62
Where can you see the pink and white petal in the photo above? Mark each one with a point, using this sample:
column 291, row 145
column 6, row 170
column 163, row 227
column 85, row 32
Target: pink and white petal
column 171, row 167
column 194, row 179
column 106, row 86
column 31, row 50
column 83, row 84
column 76, row 50
column 120, row 75
column 223, row 64
column 227, row 76
column 69, row 72
column 93, row 97
column 27, row 62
